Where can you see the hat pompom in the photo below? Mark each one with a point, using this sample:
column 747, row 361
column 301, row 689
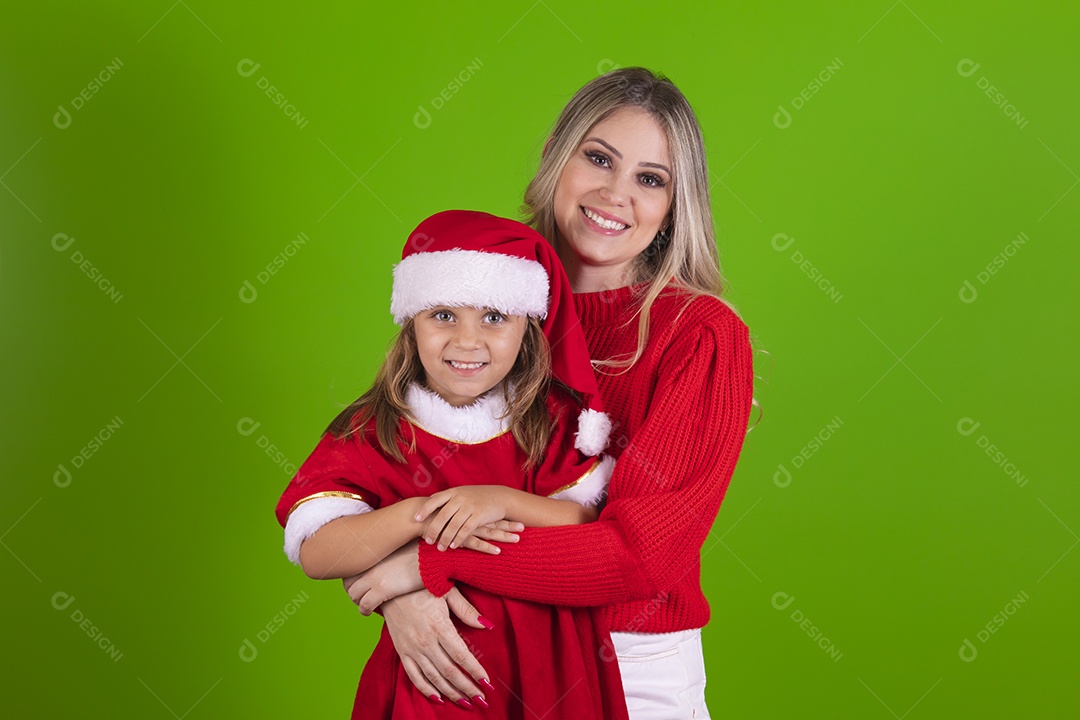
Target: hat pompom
column 594, row 429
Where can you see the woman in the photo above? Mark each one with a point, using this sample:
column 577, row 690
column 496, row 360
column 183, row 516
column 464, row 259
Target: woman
column 622, row 194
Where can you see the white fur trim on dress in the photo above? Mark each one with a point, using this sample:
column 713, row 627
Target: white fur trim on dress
column 594, row 428
column 469, row 424
column 468, row 278
column 312, row 515
column 592, row 488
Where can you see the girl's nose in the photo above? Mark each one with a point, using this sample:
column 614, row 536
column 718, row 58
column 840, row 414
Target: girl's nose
column 467, row 337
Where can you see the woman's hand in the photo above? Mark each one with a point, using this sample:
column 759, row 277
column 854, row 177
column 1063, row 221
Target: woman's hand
column 432, row 652
column 463, row 512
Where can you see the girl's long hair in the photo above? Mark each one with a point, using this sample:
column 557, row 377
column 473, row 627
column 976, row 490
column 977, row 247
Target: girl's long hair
column 686, row 254
column 525, row 390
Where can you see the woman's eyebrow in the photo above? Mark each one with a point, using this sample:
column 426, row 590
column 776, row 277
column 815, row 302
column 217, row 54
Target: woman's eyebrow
column 618, row 154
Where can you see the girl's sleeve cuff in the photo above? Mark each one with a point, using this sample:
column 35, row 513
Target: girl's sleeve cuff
column 310, row 515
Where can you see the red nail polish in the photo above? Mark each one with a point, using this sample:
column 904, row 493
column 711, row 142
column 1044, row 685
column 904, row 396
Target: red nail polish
column 488, row 685
column 486, row 623
column 436, row 699
column 465, row 704
column 481, row 701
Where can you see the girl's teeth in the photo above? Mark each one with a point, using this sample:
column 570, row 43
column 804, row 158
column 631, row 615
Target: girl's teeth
column 466, row 366
column 606, row 224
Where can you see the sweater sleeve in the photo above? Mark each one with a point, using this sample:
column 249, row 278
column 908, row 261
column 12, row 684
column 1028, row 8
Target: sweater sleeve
column 664, row 495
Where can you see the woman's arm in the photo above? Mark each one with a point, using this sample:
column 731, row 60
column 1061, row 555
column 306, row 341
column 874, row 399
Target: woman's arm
column 665, row 492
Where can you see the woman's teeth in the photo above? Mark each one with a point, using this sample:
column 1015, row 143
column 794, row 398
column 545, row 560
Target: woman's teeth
column 465, row 365
column 606, row 224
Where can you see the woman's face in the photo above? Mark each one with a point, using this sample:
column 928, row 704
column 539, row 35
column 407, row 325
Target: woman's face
column 612, row 198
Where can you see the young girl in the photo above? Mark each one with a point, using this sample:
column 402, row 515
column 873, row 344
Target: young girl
column 473, row 428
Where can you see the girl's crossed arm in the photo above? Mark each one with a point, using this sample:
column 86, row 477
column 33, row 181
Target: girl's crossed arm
column 464, row 510
column 350, row 545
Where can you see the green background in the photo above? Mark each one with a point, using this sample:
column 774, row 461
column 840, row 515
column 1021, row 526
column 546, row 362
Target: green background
column 896, row 535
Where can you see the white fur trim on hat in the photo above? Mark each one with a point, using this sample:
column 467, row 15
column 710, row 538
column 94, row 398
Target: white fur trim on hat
column 468, row 278
column 593, row 430
column 592, row 488
column 312, row 515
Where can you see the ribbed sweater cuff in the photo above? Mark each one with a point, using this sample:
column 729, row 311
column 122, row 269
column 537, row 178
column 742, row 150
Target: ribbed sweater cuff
column 435, row 569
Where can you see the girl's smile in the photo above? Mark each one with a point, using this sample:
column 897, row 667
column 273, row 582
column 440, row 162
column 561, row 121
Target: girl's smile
column 467, row 351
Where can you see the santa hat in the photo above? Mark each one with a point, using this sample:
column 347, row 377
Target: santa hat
column 473, row 259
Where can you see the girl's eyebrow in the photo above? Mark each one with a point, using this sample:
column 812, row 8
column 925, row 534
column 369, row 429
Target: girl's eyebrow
column 618, row 154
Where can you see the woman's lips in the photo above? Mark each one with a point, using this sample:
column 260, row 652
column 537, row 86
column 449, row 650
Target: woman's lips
column 597, row 227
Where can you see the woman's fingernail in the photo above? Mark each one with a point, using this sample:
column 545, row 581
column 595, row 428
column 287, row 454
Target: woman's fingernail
column 481, row 701
column 465, row 704
column 436, row 699
column 487, row 626
column 488, row 685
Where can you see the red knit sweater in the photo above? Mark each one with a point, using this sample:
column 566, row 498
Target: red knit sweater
column 681, row 415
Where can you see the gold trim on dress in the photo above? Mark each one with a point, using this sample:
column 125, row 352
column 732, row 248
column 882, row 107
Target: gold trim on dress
column 329, row 494
column 455, row 440
column 578, row 481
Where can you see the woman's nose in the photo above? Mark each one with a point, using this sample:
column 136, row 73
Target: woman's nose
column 616, row 190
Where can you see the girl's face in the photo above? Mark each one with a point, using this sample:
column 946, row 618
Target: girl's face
column 612, row 198
column 467, row 351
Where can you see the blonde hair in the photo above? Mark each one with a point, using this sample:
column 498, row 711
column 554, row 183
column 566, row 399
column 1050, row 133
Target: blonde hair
column 386, row 402
column 685, row 255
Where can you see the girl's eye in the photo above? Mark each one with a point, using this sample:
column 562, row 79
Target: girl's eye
column 494, row 318
column 598, row 158
column 653, row 180
column 442, row 316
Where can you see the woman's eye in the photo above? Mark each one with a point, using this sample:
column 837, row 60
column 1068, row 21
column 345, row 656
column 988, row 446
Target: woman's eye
column 653, row 181
column 597, row 158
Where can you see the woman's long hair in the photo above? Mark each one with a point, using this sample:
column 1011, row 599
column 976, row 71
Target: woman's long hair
column 525, row 389
column 686, row 253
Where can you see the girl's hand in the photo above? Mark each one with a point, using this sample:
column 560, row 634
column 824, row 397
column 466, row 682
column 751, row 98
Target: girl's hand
column 434, row 656
column 397, row 574
column 461, row 511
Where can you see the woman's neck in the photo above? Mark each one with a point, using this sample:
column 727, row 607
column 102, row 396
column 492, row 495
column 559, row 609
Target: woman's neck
column 585, row 278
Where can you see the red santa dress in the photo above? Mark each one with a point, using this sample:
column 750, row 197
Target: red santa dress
column 544, row 660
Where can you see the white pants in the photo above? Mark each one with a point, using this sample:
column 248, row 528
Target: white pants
column 663, row 674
